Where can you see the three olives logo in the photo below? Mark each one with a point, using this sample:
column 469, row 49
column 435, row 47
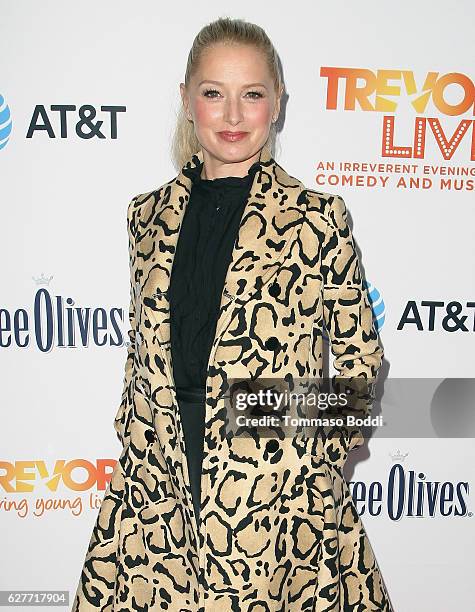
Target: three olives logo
column 5, row 122
column 55, row 320
column 411, row 493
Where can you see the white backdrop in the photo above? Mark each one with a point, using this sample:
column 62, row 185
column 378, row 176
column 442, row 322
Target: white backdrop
column 64, row 249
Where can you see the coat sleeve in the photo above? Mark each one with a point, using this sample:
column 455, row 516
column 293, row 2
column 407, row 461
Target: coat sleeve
column 348, row 317
column 123, row 414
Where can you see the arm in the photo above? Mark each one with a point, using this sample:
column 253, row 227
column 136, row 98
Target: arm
column 348, row 317
column 122, row 417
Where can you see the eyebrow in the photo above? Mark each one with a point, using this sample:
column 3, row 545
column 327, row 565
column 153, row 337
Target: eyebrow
column 244, row 86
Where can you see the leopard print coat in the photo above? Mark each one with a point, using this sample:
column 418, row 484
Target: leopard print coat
column 278, row 530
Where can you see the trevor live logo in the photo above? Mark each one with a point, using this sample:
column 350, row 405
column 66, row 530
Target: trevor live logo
column 382, row 91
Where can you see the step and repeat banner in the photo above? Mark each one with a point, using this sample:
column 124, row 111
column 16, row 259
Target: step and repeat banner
column 378, row 108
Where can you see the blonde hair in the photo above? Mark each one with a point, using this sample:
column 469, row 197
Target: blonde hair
column 222, row 30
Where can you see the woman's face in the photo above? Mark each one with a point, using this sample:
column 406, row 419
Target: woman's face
column 231, row 91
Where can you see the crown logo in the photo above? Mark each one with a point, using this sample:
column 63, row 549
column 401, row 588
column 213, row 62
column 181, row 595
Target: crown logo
column 42, row 280
column 398, row 456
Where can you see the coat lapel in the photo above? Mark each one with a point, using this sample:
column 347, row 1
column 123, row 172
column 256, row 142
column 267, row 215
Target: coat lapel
column 271, row 214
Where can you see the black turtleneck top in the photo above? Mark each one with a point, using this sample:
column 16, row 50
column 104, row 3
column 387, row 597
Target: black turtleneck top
column 205, row 243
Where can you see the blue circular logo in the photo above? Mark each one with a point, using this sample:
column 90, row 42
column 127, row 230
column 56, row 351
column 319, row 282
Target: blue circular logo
column 377, row 305
column 5, row 122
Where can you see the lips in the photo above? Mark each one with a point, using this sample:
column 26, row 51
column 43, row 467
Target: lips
column 232, row 136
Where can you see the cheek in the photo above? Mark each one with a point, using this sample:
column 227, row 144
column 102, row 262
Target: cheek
column 258, row 115
column 205, row 113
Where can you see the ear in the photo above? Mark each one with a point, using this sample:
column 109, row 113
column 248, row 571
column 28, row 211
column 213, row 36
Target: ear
column 277, row 103
column 185, row 101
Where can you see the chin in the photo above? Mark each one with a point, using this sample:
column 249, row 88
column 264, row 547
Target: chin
column 233, row 154
column 234, row 151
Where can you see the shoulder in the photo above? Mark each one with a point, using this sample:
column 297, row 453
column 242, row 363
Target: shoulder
column 330, row 207
column 140, row 203
column 325, row 198
column 141, row 200
column 322, row 202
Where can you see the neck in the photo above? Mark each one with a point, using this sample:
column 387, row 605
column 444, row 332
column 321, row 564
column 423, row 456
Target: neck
column 212, row 170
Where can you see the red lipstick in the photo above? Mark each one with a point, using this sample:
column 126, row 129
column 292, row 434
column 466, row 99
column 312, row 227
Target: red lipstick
column 232, row 136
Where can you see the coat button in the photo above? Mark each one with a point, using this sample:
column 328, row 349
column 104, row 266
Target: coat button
column 272, row 343
column 274, row 289
column 272, row 445
column 150, row 435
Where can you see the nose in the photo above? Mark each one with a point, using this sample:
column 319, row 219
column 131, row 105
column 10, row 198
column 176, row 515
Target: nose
column 233, row 111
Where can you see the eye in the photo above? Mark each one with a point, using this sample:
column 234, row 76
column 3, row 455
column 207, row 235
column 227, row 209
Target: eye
column 257, row 94
column 208, row 91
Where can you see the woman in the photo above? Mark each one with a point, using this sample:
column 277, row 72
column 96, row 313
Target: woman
column 235, row 267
